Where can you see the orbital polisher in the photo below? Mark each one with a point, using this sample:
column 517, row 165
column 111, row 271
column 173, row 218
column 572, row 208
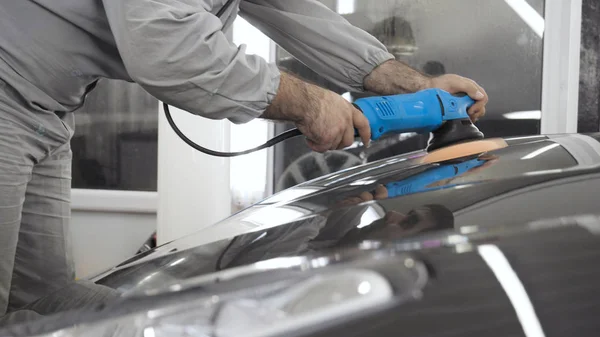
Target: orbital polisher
column 429, row 111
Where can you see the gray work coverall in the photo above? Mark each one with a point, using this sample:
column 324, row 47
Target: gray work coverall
column 53, row 51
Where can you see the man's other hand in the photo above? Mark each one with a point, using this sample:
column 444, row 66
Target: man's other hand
column 455, row 84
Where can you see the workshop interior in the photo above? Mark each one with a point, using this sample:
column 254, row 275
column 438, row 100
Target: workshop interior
column 187, row 226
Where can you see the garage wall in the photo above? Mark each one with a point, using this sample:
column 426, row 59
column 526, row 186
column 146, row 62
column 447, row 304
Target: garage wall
column 108, row 227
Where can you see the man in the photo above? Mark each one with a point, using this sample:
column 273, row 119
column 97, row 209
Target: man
column 53, row 52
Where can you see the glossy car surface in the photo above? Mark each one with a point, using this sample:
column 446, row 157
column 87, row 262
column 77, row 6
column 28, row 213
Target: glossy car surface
column 497, row 243
column 532, row 178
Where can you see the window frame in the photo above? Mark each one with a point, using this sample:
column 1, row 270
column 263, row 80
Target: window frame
column 560, row 66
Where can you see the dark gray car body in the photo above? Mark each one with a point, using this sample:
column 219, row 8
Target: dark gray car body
column 533, row 203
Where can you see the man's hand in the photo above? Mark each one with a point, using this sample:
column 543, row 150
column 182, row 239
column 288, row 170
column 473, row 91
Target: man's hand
column 394, row 77
column 326, row 119
column 330, row 124
column 455, row 84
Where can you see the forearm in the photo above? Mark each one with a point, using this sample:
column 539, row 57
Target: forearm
column 294, row 101
column 394, row 77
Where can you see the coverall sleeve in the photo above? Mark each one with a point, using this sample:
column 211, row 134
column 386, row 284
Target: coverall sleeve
column 318, row 37
column 175, row 49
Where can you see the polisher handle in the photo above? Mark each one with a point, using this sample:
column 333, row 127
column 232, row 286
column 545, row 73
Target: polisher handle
column 455, row 106
column 420, row 112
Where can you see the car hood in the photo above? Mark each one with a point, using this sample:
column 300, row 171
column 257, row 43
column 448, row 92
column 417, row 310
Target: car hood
column 525, row 179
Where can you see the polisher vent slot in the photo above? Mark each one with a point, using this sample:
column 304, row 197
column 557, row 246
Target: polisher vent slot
column 406, row 189
column 385, row 109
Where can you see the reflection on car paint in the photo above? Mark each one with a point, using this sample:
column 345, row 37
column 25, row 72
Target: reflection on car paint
column 433, row 178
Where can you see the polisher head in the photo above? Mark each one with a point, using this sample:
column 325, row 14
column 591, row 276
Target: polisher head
column 454, row 132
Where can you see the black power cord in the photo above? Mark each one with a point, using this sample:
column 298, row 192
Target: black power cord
column 278, row 139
